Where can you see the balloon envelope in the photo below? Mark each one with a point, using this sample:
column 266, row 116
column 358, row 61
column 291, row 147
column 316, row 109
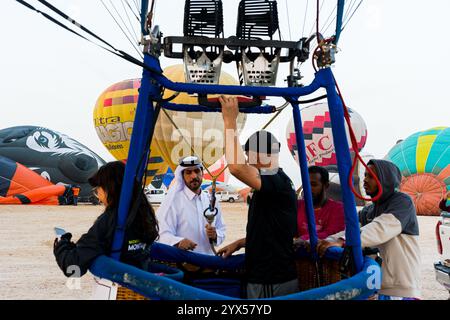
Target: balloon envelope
column 20, row 185
column 218, row 170
column 53, row 155
column 114, row 114
column 203, row 131
column 318, row 135
column 424, row 161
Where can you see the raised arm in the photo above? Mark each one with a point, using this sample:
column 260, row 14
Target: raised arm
column 233, row 151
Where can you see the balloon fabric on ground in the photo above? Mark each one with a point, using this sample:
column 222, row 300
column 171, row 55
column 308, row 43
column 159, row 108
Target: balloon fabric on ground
column 20, row 185
column 424, row 160
column 55, row 156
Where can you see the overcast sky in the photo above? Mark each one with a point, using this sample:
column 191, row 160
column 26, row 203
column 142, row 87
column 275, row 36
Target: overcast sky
column 393, row 66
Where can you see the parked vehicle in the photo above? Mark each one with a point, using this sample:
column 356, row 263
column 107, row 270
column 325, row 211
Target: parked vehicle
column 155, row 195
column 442, row 267
column 227, row 196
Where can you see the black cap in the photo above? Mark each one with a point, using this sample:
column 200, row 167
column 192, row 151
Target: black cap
column 262, row 142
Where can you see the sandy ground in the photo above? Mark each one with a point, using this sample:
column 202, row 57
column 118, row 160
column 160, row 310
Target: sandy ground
column 28, row 269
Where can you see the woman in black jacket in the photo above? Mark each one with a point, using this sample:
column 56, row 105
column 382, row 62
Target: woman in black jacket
column 141, row 227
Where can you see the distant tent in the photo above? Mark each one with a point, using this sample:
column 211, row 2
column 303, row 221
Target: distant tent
column 20, row 185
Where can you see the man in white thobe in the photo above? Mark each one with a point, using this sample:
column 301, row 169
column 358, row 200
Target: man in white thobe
column 181, row 216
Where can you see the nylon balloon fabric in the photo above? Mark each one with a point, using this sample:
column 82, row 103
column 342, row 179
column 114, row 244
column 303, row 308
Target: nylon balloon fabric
column 424, row 161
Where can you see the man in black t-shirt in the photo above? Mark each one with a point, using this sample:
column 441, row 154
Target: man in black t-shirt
column 272, row 215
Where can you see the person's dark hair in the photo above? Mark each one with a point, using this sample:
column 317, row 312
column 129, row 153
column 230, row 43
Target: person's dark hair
column 262, row 142
column 324, row 175
column 109, row 177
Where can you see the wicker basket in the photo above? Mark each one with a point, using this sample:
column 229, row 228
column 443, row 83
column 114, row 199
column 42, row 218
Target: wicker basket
column 127, row 294
column 312, row 276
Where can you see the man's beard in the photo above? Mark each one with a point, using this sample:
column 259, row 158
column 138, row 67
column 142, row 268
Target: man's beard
column 192, row 183
column 371, row 194
column 317, row 200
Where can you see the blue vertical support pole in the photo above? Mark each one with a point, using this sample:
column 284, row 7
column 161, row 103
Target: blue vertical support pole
column 138, row 152
column 339, row 16
column 344, row 163
column 144, row 11
column 313, row 239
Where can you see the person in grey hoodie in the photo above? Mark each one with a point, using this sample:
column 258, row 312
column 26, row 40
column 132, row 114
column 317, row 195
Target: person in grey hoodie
column 389, row 224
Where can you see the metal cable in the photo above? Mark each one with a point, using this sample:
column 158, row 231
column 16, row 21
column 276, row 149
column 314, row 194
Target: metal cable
column 323, row 31
column 118, row 24
column 132, row 11
column 343, row 27
column 304, row 18
column 130, row 33
column 129, row 21
column 349, row 8
column 288, row 20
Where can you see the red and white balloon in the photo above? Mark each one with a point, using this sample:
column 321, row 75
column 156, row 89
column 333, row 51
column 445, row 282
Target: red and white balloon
column 318, row 135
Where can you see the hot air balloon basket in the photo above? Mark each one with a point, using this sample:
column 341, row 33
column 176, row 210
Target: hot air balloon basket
column 311, row 276
column 124, row 293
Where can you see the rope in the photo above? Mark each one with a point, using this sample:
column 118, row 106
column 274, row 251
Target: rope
column 317, row 20
column 312, row 28
column 150, row 16
column 357, row 155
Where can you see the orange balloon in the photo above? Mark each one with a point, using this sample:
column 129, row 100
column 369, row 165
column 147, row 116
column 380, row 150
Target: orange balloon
column 426, row 191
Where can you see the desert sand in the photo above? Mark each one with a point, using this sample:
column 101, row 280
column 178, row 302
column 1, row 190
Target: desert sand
column 28, row 269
